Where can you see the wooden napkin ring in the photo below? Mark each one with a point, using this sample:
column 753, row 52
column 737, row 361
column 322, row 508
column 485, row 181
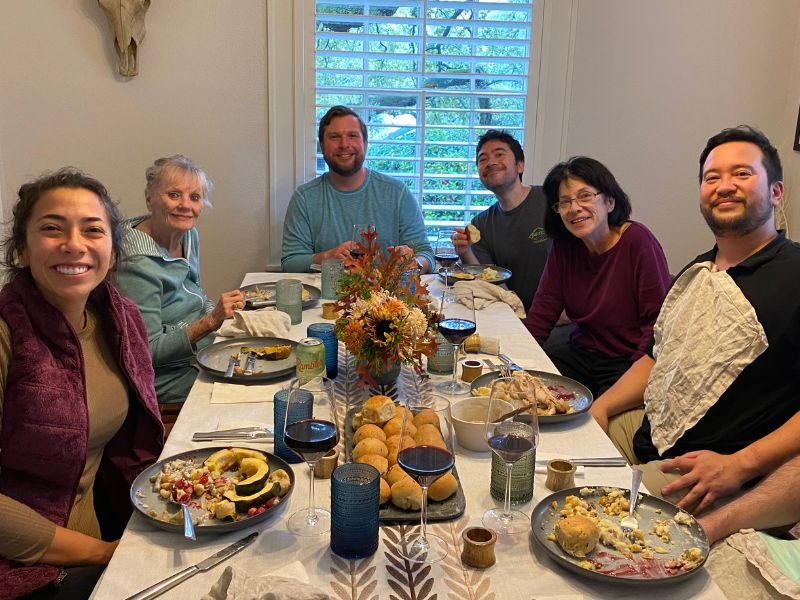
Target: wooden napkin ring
column 329, row 310
column 326, row 465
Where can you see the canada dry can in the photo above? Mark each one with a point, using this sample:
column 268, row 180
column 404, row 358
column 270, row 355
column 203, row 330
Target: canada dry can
column 310, row 354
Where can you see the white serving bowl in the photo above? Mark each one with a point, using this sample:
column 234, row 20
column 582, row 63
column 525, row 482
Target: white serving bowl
column 469, row 417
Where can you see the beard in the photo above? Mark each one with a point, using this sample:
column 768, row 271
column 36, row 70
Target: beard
column 358, row 162
column 755, row 214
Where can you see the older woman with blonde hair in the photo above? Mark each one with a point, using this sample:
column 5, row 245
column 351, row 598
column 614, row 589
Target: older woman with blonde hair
column 160, row 270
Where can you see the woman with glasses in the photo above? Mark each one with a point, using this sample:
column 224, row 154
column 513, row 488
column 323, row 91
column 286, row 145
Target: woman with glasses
column 609, row 275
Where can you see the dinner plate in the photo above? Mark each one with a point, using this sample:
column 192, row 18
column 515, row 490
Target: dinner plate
column 214, row 359
column 145, row 500
column 611, row 565
column 450, row 508
column 476, row 270
column 573, row 392
column 265, row 295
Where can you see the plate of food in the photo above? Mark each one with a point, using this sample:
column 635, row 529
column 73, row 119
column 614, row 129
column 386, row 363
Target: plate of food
column 274, row 358
column 372, row 436
column 490, row 273
column 579, row 528
column 226, row 488
column 259, row 295
column 558, row 398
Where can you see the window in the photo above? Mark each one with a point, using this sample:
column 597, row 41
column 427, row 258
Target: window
column 428, row 77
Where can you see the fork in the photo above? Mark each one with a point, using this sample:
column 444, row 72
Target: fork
column 630, row 522
column 233, row 362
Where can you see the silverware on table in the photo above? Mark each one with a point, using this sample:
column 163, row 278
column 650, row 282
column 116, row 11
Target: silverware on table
column 629, row 522
column 233, row 362
column 170, row 582
column 249, row 364
column 510, row 363
column 490, row 363
column 242, row 435
column 607, row 461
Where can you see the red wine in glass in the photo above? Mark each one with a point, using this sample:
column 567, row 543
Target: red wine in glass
column 456, row 330
column 425, row 464
column 311, row 438
column 510, row 447
column 356, row 253
column 446, row 259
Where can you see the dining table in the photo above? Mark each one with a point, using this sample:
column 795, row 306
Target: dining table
column 523, row 570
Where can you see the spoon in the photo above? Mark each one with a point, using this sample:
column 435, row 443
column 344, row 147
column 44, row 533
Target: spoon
column 630, row 522
column 188, row 525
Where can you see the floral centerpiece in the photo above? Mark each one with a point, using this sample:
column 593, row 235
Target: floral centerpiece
column 385, row 317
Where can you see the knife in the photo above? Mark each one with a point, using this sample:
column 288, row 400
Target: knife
column 212, row 561
column 239, row 433
column 609, row 461
column 510, row 363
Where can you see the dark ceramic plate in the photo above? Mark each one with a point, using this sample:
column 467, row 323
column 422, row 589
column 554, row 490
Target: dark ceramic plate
column 448, row 509
column 214, row 359
column 259, row 295
column 145, row 500
column 476, row 270
column 574, row 393
column 612, row 565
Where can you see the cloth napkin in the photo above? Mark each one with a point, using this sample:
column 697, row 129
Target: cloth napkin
column 265, row 322
column 239, row 393
column 486, row 293
column 235, row 585
column 777, row 560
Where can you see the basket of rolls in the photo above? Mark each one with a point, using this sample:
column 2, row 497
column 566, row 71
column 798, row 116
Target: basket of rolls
column 373, row 436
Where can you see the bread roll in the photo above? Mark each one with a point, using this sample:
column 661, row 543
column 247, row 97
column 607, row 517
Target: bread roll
column 395, row 425
column 395, row 474
column 386, row 491
column 357, row 420
column 378, row 410
column 443, row 488
column 577, row 535
column 369, row 431
column 398, row 412
column 376, row 461
column 430, row 439
column 427, row 431
column 393, row 442
column 407, row 494
column 426, row 416
column 369, row 446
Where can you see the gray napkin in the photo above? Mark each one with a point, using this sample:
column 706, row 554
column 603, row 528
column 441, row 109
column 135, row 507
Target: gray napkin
column 235, row 585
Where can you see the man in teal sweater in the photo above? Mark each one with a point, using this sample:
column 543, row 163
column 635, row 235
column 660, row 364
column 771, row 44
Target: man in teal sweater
column 321, row 214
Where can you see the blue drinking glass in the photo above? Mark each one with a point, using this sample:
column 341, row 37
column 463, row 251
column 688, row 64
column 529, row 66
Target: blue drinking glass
column 355, row 503
column 300, row 410
column 327, row 333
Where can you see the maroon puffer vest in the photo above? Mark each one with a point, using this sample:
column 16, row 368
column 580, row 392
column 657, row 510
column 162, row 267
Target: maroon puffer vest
column 44, row 429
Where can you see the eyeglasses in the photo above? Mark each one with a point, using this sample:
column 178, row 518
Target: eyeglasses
column 585, row 198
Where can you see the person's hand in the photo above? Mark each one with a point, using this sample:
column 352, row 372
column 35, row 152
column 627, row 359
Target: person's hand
column 709, row 476
column 600, row 415
column 341, row 252
column 228, row 302
column 461, row 241
column 404, row 250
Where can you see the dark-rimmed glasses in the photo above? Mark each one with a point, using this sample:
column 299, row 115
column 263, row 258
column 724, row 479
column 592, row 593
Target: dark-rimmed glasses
column 583, row 199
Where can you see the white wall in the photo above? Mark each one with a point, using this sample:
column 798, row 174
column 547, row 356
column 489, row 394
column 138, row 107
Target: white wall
column 652, row 81
column 201, row 90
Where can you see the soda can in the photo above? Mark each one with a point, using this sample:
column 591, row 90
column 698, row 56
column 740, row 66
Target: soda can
column 310, row 352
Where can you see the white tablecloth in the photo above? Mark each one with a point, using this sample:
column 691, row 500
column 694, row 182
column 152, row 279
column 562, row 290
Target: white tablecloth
column 522, row 571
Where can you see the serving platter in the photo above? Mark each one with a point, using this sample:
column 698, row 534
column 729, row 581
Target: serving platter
column 610, row 565
column 451, row 508
column 260, row 295
column 475, row 270
column 148, row 503
column 214, row 359
column 573, row 392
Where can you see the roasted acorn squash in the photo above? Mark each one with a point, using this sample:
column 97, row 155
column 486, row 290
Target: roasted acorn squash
column 244, row 503
column 221, row 461
column 255, row 473
column 282, row 477
column 241, row 453
column 225, row 510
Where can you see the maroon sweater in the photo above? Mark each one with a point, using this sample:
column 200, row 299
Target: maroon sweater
column 44, row 428
column 614, row 297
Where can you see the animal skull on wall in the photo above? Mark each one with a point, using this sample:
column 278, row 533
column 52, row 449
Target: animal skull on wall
column 126, row 18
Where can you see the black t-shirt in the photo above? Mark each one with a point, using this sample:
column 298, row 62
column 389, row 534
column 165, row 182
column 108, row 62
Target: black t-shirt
column 515, row 240
column 767, row 392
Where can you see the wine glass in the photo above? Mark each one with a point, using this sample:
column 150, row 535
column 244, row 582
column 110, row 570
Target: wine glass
column 425, row 463
column 456, row 323
column 310, row 439
column 445, row 251
column 510, row 435
column 357, row 239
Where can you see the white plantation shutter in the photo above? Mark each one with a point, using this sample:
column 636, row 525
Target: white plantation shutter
column 428, row 77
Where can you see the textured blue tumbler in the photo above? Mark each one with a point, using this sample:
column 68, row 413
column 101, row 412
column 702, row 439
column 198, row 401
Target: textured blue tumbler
column 300, row 411
column 355, row 504
column 327, row 334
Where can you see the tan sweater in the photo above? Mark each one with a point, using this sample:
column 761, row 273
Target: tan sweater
column 24, row 534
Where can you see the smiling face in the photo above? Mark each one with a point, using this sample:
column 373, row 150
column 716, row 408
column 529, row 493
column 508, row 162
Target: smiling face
column 68, row 246
column 498, row 168
column 343, row 145
column 176, row 203
column 589, row 223
column 735, row 195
